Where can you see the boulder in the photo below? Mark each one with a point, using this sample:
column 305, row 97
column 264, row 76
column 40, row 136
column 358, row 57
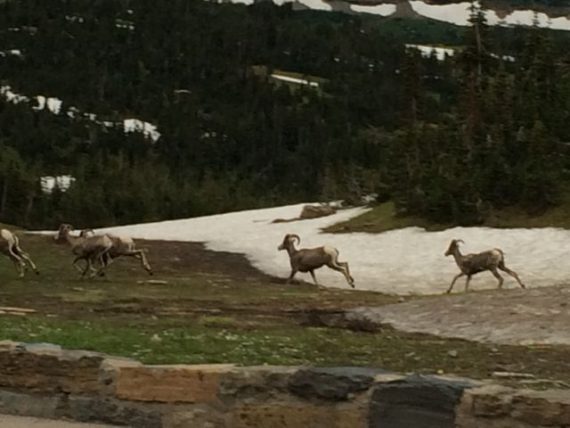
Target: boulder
column 335, row 384
column 416, row 401
column 316, row 211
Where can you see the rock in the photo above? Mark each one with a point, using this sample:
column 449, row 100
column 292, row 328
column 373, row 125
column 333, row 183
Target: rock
column 198, row 417
column 171, row 384
column 316, row 211
column 542, row 408
column 285, row 414
column 335, row 384
column 339, row 319
column 453, row 353
column 109, row 411
column 261, row 382
column 416, row 401
column 47, row 368
column 13, row 403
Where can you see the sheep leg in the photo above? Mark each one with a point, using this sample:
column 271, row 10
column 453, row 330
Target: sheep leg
column 499, row 277
column 511, row 273
column 74, row 264
column 314, row 277
column 341, row 270
column 26, row 257
column 140, row 255
column 104, row 263
column 106, row 260
column 88, row 266
column 18, row 262
column 467, row 281
column 341, row 267
column 293, row 272
column 349, row 278
column 459, row 275
column 19, row 268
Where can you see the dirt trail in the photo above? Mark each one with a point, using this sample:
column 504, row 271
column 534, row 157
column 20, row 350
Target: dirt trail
column 515, row 317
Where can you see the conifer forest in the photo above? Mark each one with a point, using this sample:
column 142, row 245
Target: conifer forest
column 446, row 139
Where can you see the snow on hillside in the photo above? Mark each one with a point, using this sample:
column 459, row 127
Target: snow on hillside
column 405, row 261
column 459, row 13
column 53, row 105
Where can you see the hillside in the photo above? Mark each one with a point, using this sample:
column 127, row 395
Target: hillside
column 156, row 112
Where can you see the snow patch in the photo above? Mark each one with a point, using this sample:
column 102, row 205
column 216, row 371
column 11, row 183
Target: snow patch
column 54, row 105
column 405, row 261
column 49, row 183
column 427, row 51
column 294, row 80
column 378, row 9
column 136, row 125
column 459, row 13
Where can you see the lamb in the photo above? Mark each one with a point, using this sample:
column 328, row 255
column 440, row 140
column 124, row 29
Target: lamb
column 122, row 246
column 89, row 248
column 307, row 260
column 10, row 246
column 470, row 264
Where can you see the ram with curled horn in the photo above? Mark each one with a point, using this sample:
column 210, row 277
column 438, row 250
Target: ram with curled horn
column 310, row 259
column 471, row 264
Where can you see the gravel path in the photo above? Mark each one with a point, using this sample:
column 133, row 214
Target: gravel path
column 513, row 317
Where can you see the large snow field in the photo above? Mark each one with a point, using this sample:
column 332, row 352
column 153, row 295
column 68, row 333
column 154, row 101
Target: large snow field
column 405, row 261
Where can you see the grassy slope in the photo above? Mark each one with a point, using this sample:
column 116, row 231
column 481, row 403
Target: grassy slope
column 382, row 218
column 215, row 308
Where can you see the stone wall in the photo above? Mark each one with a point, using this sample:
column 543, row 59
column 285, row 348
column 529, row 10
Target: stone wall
column 46, row 381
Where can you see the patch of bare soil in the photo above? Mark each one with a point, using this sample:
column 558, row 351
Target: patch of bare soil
column 189, row 281
column 511, row 317
column 178, row 257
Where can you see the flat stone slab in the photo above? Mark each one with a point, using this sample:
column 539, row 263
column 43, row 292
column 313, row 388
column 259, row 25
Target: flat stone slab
column 23, row 422
column 539, row 316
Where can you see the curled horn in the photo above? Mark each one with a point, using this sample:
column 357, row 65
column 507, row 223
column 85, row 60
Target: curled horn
column 459, row 241
column 293, row 236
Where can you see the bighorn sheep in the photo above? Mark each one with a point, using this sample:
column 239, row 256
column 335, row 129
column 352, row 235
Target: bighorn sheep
column 89, row 248
column 10, row 246
column 307, row 260
column 470, row 264
column 122, row 246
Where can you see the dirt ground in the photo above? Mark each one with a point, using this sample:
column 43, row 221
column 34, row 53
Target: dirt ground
column 538, row 316
column 188, row 280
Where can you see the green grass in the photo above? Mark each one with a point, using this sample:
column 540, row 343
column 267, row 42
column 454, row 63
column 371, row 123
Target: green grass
column 383, row 218
column 183, row 342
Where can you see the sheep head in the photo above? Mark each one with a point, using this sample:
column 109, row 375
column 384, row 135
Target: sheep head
column 289, row 241
column 63, row 230
column 453, row 245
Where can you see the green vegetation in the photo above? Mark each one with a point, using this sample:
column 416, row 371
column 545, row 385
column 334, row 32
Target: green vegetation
column 183, row 341
column 384, row 217
column 450, row 142
column 222, row 310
